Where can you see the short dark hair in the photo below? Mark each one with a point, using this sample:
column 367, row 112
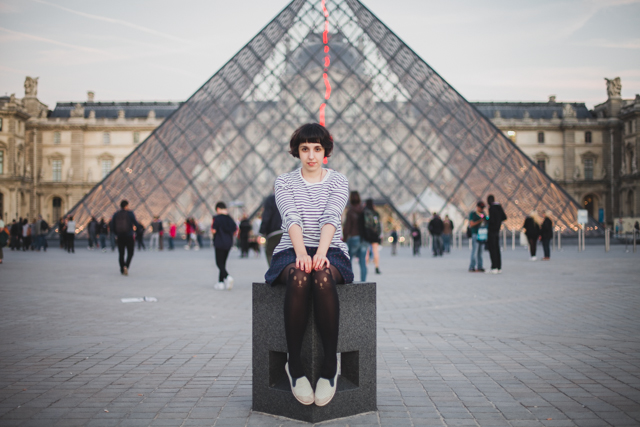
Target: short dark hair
column 354, row 198
column 491, row 199
column 221, row 205
column 124, row 204
column 311, row 132
column 480, row 204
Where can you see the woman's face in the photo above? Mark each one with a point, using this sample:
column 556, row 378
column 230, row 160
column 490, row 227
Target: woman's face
column 311, row 155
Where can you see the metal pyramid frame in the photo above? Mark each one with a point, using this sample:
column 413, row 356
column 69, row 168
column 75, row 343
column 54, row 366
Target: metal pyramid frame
column 400, row 129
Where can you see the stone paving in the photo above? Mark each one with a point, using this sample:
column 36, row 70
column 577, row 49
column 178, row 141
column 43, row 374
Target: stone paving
column 543, row 344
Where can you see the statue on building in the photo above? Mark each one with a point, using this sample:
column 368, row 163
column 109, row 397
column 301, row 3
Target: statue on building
column 614, row 87
column 576, row 173
column 568, row 111
column 31, row 86
column 78, row 111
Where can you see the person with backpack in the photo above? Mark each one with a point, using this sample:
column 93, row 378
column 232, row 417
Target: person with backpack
column 496, row 217
column 123, row 222
column 372, row 231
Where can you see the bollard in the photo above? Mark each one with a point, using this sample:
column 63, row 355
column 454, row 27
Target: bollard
column 504, row 239
column 559, row 240
column 607, row 235
column 584, row 240
column 513, row 240
column 634, row 240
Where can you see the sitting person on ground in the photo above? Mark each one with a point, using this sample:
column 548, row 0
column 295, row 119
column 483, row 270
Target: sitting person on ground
column 311, row 259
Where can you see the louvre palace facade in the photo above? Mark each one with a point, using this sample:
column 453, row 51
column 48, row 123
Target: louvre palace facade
column 50, row 159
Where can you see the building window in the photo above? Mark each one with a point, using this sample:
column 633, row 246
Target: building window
column 542, row 165
column 57, row 208
column 540, row 137
column 588, row 169
column 106, row 168
column 0, row 124
column 1, row 163
column 57, row 170
column 106, row 138
column 56, row 137
column 136, row 137
column 587, row 137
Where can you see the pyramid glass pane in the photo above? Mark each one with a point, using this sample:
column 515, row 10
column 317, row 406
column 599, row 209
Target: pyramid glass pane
column 402, row 132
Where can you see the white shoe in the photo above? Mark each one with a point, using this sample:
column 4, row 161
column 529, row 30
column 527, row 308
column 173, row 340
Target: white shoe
column 197, row 248
column 499, row 271
column 300, row 387
column 493, row 271
column 228, row 282
column 533, row 258
column 219, row 286
column 186, row 248
column 326, row 389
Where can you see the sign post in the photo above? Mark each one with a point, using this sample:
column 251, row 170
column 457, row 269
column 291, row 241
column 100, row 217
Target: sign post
column 583, row 218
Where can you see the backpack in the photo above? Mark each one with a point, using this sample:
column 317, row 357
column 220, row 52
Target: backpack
column 122, row 222
column 372, row 228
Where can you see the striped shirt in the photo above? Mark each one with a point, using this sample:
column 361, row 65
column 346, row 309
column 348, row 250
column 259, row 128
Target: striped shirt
column 311, row 206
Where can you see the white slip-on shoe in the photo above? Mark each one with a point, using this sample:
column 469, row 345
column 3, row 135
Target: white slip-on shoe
column 228, row 282
column 300, row 387
column 326, row 388
column 219, row 286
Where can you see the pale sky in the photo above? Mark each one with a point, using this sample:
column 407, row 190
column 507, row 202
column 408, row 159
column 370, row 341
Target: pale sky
column 488, row 50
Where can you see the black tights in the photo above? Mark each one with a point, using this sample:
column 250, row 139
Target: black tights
column 327, row 311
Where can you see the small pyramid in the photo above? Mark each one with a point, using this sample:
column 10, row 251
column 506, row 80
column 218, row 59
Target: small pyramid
column 400, row 129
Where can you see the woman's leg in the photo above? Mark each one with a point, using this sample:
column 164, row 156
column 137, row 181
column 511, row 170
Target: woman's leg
column 296, row 313
column 376, row 255
column 327, row 312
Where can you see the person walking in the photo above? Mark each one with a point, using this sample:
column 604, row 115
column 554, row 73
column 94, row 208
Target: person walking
column 394, row 241
column 476, row 218
column 372, row 231
column 103, row 229
column 353, row 233
column 311, row 259
column 71, row 235
column 139, row 233
column 271, row 226
column 112, row 236
column 223, row 229
column 245, row 231
column 496, row 217
column 546, row 234
column 447, row 233
column 123, row 223
column 14, row 234
column 436, row 227
column 532, row 231
column 43, row 229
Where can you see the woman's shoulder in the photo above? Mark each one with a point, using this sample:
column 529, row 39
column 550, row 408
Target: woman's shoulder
column 337, row 177
column 288, row 176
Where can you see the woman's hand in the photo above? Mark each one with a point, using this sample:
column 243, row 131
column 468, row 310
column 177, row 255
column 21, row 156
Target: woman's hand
column 319, row 261
column 304, row 263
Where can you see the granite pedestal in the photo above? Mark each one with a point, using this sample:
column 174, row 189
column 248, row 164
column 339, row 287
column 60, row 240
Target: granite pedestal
column 356, row 391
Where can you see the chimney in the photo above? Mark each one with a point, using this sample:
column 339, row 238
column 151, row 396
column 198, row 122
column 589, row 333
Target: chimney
column 90, row 96
column 552, row 99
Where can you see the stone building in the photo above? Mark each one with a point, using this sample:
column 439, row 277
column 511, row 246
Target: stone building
column 50, row 159
column 593, row 155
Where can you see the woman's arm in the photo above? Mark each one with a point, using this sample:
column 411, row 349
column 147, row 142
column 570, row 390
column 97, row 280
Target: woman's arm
column 320, row 258
column 331, row 218
column 303, row 260
column 292, row 222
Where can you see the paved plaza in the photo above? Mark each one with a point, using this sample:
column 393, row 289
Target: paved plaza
column 543, row 344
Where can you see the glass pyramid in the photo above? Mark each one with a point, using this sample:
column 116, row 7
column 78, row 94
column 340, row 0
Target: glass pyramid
column 400, row 129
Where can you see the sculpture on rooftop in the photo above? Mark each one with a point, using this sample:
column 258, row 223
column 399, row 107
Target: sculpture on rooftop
column 614, row 87
column 31, row 86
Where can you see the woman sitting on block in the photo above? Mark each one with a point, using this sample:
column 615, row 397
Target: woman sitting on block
column 311, row 259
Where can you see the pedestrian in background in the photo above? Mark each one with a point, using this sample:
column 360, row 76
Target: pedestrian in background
column 123, row 223
column 93, row 231
column 394, row 242
column 271, row 226
column 416, row 235
column 172, row 234
column 139, row 233
column 372, row 231
column 447, row 233
column 353, row 233
column 223, row 229
column 4, row 237
column 436, row 227
column 156, row 228
column 476, row 218
column 532, row 231
column 71, row 235
column 245, row 231
column 546, row 234
column 103, row 229
column 496, row 217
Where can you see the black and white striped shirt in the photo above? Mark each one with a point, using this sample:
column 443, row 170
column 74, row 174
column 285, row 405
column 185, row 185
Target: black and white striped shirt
column 311, row 206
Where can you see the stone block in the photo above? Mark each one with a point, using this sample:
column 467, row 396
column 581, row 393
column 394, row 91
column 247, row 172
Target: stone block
column 356, row 391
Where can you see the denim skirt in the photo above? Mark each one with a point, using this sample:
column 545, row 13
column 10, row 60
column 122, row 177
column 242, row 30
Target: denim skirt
column 336, row 257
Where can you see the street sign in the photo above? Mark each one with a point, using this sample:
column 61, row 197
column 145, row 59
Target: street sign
column 583, row 216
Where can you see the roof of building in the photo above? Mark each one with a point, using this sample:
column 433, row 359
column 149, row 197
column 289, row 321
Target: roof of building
column 536, row 110
column 109, row 110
